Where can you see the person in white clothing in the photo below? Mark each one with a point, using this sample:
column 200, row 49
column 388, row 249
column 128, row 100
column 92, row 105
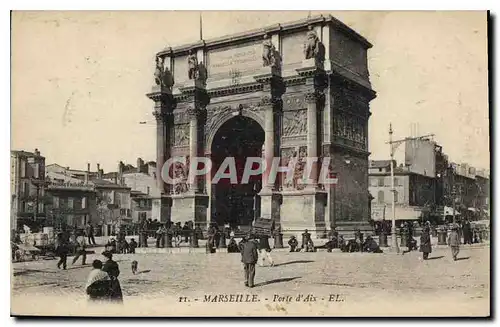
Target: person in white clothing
column 265, row 251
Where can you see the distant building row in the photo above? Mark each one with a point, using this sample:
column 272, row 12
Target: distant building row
column 428, row 186
column 54, row 195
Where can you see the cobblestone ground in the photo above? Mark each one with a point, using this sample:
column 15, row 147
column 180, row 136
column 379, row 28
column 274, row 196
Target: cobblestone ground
column 366, row 284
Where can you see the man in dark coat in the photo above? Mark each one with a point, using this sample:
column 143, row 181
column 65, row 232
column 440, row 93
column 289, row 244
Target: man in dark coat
column 370, row 246
column 467, row 232
column 113, row 270
column 89, row 230
column 425, row 243
column 249, row 257
column 62, row 249
column 293, row 243
column 306, row 237
column 132, row 246
column 232, row 247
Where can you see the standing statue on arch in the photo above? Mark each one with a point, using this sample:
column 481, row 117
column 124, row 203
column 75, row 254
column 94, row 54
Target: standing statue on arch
column 192, row 65
column 163, row 76
column 267, row 51
column 313, row 48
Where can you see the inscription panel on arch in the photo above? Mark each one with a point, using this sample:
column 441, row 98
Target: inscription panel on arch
column 240, row 59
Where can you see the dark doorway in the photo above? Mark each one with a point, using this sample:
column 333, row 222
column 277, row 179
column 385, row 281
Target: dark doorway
column 236, row 204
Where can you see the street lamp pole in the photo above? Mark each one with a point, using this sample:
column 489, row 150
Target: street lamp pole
column 394, row 241
column 394, row 144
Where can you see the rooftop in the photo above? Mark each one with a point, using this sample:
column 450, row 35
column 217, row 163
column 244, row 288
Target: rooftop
column 259, row 33
column 380, row 163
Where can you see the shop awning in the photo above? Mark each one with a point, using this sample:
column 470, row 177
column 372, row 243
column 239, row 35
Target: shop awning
column 448, row 211
column 402, row 213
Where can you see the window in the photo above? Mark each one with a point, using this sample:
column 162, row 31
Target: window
column 23, row 168
column 380, row 170
column 396, row 182
column 380, row 197
column 55, row 202
column 381, row 181
column 77, row 203
column 396, row 196
column 36, row 170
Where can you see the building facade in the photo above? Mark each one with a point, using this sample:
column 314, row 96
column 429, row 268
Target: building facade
column 72, row 200
column 28, row 200
column 293, row 90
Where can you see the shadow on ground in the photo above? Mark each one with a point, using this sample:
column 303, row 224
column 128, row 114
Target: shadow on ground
column 31, row 271
column 292, row 262
column 278, row 280
column 435, row 258
column 463, row 258
column 143, row 272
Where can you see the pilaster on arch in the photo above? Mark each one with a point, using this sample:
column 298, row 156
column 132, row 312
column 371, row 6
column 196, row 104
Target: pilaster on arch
column 226, row 117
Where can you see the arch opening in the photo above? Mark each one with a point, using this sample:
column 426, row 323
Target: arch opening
column 236, row 204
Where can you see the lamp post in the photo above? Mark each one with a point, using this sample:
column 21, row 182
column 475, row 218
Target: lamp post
column 393, row 146
column 394, row 240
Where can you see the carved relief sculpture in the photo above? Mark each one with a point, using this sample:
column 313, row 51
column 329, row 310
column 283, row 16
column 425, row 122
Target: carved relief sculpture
column 295, row 123
column 287, row 154
column 181, row 135
column 298, row 175
column 181, row 173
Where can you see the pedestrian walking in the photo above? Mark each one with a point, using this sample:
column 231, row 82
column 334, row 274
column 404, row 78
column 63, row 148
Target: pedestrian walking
column 467, row 232
column 425, row 243
column 62, row 249
column 98, row 283
column 265, row 251
column 113, row 270
column 454, row 242
column 249, row 257
column 80, row 250
column 90, row 234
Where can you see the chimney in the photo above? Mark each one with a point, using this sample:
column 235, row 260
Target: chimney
column 98, row 167
column 100, row 172
column 120, row 167
column 87, row 177
column 37, row 153
column 140, row 163
column 88, row 167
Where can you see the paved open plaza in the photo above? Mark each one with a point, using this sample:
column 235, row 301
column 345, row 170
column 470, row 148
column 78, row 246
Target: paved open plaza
column 334, row 284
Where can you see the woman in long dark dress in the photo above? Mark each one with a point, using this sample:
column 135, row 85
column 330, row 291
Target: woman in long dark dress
column 111, row 267
column 98, row 283
column 425, row 243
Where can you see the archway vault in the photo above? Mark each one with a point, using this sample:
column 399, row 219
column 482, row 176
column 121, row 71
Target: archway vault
column 214, row 128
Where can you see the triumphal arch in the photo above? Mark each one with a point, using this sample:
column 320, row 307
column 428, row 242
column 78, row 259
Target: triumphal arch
column 293, row 90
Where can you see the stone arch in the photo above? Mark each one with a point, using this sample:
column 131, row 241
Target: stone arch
column 224, row 118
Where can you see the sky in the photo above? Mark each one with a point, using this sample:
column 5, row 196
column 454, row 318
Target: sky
column 79, row 79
